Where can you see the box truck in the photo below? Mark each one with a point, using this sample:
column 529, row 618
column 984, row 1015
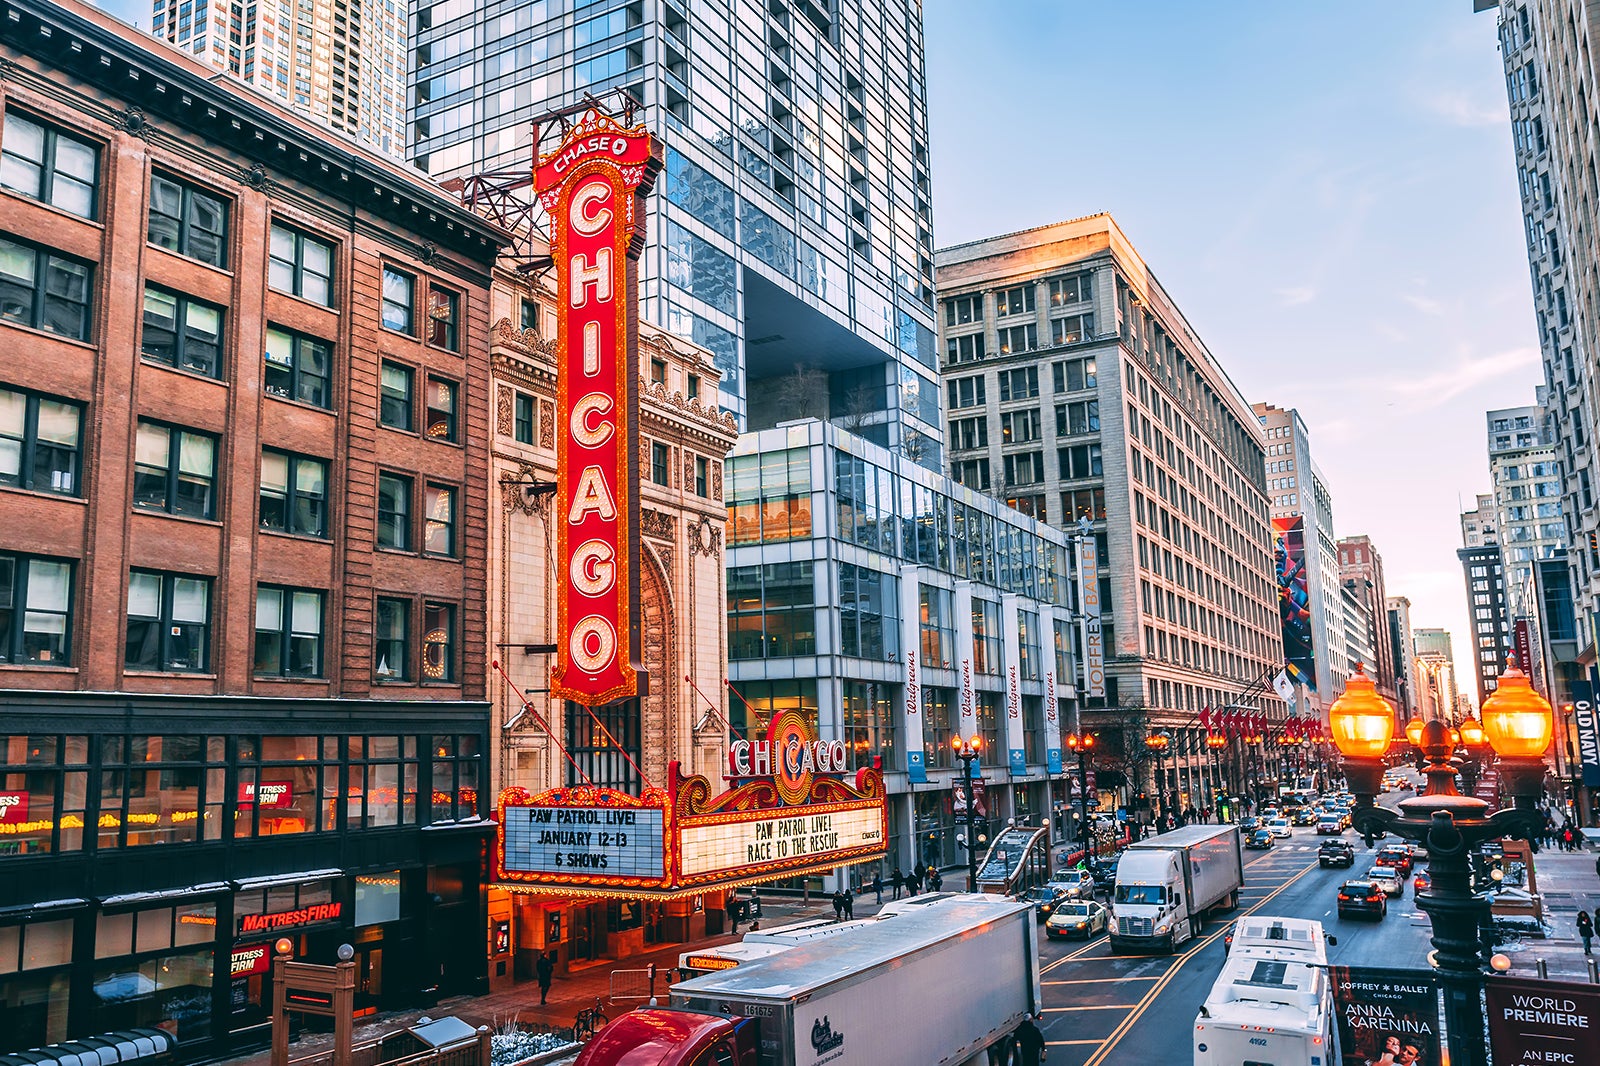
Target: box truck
column 825, row 1001
column 1167, row 884
column 1271, row 1003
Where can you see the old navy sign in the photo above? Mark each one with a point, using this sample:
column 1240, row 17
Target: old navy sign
column 593, row 188
column 1584, row 717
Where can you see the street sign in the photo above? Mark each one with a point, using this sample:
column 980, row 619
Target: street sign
column 1388, row 1016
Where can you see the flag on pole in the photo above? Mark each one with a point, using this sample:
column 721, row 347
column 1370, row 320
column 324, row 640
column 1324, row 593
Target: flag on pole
column 1205, row 718
column 1284, row 686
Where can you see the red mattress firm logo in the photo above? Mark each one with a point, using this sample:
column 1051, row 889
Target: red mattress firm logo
column 266, row 793
column 247, row 962
column 13, row 808
column 264, row 923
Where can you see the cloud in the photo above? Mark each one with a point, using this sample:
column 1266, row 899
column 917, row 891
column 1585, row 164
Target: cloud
column 1424, row 304
column 1457, row 107
column 1296, row 295
column 1440, row 387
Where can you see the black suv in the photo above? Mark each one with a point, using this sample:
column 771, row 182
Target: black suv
column 1336, row 853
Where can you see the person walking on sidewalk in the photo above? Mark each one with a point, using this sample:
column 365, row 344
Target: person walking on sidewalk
column 1585, row 930
column 877, row 885
column 898, row 880
column 545, row 970
column 918, row 876
column 838, row 905
column 849, row 906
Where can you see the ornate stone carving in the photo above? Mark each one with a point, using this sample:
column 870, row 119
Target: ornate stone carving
column 502, row 411
column 658, row 524
column 657, row 630
column 666, row 557
column 133, row 121
column 657, row 391
column 716, row 480
column 256, row 178
column 547, row 424
column 705, row 538
column 688, row 468
column 514, row 495
column 6, row 67
column 429, row 253
column 526, row 339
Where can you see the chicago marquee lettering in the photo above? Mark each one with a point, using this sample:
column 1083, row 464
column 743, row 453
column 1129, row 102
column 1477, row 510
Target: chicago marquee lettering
column 593, row 187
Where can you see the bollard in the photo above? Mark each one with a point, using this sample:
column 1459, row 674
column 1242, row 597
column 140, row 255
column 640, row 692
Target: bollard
column 1594, row 970
column 1543, row 968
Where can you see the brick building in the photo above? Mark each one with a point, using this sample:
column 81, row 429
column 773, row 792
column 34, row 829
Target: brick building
column 244, row 421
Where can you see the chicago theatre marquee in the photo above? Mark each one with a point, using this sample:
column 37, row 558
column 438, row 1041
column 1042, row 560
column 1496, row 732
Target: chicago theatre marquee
column 606, row 583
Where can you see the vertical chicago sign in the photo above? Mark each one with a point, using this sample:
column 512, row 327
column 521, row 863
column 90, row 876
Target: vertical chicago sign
column 593, row 187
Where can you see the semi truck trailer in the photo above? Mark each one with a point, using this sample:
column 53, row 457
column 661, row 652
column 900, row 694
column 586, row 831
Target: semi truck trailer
column 897, row 992
column 1166, row 886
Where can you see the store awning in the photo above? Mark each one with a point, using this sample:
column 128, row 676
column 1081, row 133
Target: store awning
column 125, row 1045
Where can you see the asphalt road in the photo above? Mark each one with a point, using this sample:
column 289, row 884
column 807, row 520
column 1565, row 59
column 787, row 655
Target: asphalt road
column 1107, row 1009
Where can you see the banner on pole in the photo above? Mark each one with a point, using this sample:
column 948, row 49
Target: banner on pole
column 1387, row 1016
column 1542, row 1021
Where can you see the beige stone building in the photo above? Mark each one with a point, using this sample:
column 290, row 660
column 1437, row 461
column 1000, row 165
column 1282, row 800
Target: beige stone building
column 684, row 439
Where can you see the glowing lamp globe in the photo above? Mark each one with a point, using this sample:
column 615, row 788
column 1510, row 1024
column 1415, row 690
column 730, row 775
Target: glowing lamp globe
column 1471, row 734
column 1517, row 719
column 1362, row 722
column 1414, row 730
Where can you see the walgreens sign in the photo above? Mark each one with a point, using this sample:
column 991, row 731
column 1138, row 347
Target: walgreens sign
column 593, row 188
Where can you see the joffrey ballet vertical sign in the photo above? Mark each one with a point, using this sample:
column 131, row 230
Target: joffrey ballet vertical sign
column 593, row 189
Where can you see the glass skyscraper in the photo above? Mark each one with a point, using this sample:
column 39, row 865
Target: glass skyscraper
column 791, row 232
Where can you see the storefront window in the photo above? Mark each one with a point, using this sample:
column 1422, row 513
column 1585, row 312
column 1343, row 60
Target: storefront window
column 378, row 898
column 989, row 727
column 767, row 698
column 455, row 776
column 282, row 784
column 171, row 992
column 158, row 790
column 43, row 791
column 986, row 658
column 936, row 831
column 869, row 723
column 938, row 726
column 383, row 776
column 1033, row 728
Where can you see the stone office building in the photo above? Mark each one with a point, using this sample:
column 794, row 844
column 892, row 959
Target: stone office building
column 1075, row 388
column 243, row 502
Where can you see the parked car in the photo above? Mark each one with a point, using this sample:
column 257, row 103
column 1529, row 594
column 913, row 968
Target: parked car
column 1421, row 882
column 1396, row 855
column 1075, row 884
column 1077, row 918
column 1330, row 825
column 1362, row 897
column 1260, row 840
column 1336, row 853
column 1280, row 827
column 1388, row 878
column 1044, row 900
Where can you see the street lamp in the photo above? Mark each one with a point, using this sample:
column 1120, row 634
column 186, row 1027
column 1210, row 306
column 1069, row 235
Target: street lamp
column 1517, row 723
column 967, row 750
column 1158, row 744
column 1083, row 743
column 1216, row 742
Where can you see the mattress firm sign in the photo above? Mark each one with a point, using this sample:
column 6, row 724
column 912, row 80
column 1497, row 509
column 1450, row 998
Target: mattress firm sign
column 781, row 838
column 605, row 841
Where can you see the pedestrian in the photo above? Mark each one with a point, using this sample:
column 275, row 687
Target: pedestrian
column 838, row 905
column 918, row 876
column 1585, row 929
column 898, row 880
column 936, row 879
column 545, row 971
column 849, row 906
column 1030, row 1042
column 732, row 906
column 877, row 885
column 1566, row 839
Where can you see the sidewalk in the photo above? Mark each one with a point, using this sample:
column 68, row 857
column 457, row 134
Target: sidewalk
column 569, row 993
column 1567, row 883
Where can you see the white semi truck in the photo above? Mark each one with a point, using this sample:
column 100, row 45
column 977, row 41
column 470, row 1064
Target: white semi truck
column 833, row 1000
column 1167, row 884
column 1271, row 1003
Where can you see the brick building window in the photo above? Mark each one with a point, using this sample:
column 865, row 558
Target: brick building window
column 659, row 464
column 438, row 641
column 288, row 632
column 297, row 367
column 391, row 653
column 394, row 512
column 182, row 332
column 174, row 470
column 39, row 442
column 35, row 610
column 442, row 396
column 301, row 265
column 395, row 408
column 399, row 289
column 44, row 291
column 439, row 524
column 46, row 164
column 444, row 319
column 702, row 483
column 522, row 418
column 187, row 221
column 169, row 622
column 294, row 494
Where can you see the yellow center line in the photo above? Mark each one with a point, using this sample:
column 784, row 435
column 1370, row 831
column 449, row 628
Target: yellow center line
column 1103, row 980
column 1103, row 1006
column 1121, row 1030
column 1067, row 1043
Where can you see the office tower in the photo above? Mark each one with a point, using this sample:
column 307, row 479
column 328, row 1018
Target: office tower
column 1436, row 682
column 1404, row 648
column 1484, row 570
column 1481, row 525
column 1554, row 95
column 1527, row 493
column 251, row 549
column 1296, row 489
column 1361, row 570
column 340, row 62
column 1075, row 390
column 791, row 231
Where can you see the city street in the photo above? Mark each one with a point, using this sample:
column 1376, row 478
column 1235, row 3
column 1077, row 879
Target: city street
column 1101, row 1008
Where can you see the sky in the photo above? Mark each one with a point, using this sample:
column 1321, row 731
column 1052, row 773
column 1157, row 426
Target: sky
column 1327, row 191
